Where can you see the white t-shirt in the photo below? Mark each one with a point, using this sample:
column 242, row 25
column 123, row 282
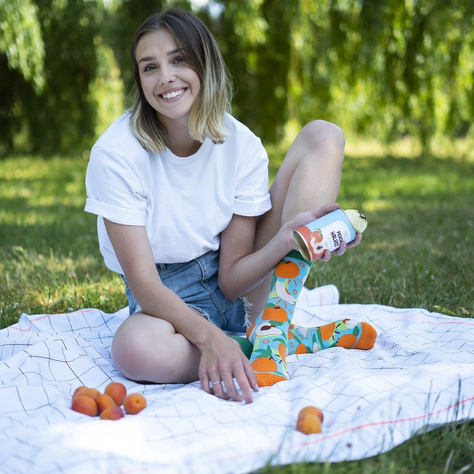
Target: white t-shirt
column 184, row 203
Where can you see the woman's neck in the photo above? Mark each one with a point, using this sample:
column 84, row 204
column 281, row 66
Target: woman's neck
column 181, row 143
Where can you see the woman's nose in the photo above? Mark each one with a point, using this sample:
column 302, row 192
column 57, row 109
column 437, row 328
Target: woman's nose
column 167, row 76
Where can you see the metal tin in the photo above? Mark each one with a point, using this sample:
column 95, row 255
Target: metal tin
column 327, row 232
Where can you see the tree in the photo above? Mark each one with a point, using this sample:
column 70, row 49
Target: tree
column 23, row 54
column 54, row 113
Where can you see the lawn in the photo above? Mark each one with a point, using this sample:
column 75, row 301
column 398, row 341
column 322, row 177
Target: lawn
column 416, row 252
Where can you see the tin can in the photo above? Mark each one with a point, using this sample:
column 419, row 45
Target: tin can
column 327, row 232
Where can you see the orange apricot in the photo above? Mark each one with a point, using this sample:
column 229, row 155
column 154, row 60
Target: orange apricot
column 282, row 351
column 311, row 410
column 116, row 391
column 77, row 390
column 264, row 364
column 301, row 349
column 104, row 401
column 85, row 405
column 268, row 379
column 348, row 341
column 134, row 403
column 327, row 331
column 276, row 313
column 88, row 392
column 309, row 424
column 112, row 413
column 287, row 269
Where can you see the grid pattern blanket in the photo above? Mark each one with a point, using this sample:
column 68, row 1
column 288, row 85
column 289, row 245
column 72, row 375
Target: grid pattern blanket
column 419, row 375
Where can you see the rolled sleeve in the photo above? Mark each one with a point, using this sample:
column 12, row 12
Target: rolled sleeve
column 115, row 214
column 114, row 190
column 252, row 197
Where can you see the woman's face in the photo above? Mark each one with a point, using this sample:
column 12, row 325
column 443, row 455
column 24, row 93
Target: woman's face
column 170, row 85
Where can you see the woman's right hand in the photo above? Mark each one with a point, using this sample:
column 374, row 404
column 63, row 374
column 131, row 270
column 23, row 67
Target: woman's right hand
column 223, row 365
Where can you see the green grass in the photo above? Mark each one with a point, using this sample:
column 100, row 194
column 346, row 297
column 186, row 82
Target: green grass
column 49, row 259
column 416, row 252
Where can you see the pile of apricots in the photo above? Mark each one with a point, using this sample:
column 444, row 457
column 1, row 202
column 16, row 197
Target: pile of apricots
column 310, row 420
column 108, row 405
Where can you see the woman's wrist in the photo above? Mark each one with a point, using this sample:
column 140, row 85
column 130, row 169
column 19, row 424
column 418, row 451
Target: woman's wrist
column 202, row 332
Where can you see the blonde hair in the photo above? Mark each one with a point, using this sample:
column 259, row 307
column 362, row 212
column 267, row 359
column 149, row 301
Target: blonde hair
column 207, row 116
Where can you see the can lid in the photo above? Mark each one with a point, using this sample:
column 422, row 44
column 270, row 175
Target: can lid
column 358, row 220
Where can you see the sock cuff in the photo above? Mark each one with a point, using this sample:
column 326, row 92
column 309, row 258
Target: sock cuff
column 245, row 345
column 296, row 254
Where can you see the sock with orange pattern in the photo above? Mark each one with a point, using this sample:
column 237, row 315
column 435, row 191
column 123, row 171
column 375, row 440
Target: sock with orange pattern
column 343, row 333
column 270, row 334
column 308, row 340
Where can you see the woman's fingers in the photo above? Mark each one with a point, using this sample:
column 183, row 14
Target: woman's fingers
column 219, row 390
column 236, row 384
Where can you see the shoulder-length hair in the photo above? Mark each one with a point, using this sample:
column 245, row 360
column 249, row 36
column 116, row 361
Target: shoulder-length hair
column 207, row 115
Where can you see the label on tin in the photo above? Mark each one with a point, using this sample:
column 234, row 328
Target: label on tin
column 313, row 241
column 334, row 234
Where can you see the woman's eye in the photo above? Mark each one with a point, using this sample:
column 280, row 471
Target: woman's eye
column 149, row 68
column 178, row 60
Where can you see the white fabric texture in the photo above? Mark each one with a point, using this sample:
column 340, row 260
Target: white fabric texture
column 184, row 202
column 419, row 375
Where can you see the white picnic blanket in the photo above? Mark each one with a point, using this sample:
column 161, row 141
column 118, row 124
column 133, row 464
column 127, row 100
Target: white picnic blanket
column 419, row 375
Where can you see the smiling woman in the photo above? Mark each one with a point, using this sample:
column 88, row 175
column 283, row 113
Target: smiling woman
column 187, row 49
column 185, row 216
column 170, row 86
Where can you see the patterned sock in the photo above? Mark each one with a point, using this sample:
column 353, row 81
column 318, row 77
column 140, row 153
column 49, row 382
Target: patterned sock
column 268, row 358
column 343, row 333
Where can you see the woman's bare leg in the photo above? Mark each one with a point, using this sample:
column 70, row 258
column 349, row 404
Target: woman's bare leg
column 309, row 178
column 148, row 349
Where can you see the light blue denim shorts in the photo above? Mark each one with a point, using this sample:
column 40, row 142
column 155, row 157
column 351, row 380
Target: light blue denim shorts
column 195, row 283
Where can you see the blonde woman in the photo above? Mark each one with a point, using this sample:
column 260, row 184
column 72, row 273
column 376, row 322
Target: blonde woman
column 180, row 188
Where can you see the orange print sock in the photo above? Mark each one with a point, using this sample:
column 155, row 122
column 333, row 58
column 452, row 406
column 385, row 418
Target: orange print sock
column 270, row 334
column 343, row 333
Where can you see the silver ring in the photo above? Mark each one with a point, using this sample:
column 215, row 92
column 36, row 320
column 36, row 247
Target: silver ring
column 216, row 383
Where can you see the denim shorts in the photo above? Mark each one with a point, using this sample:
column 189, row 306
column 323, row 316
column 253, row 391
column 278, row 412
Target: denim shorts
column 195, row 282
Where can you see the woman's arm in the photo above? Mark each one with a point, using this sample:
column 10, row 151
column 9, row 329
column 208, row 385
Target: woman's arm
column 221, row 359
column 241, row 269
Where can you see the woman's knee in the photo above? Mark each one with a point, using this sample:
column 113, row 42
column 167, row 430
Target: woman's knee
column 138, row 351
column 323, row 135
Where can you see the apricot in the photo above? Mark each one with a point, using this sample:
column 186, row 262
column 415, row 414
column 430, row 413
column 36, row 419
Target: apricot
column 327, row 331
column 274, row 313
column 116, row 391
column 85, row 405
column 311, row 410
column 134, row 403
column 309, row 424
column 287, row 269
column 104, row 401
column 77, row 390
column 264, row 364
column 112, row 413
column 86, row 391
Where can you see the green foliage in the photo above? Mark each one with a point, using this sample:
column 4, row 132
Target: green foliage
column 21, row 40
column 62, row 117
column 122, row 22
column 383, row 69
column 21, row 60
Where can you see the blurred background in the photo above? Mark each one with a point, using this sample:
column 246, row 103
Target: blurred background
column 381, row 69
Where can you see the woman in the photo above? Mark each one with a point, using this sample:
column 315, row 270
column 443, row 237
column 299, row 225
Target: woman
column 185, row 215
